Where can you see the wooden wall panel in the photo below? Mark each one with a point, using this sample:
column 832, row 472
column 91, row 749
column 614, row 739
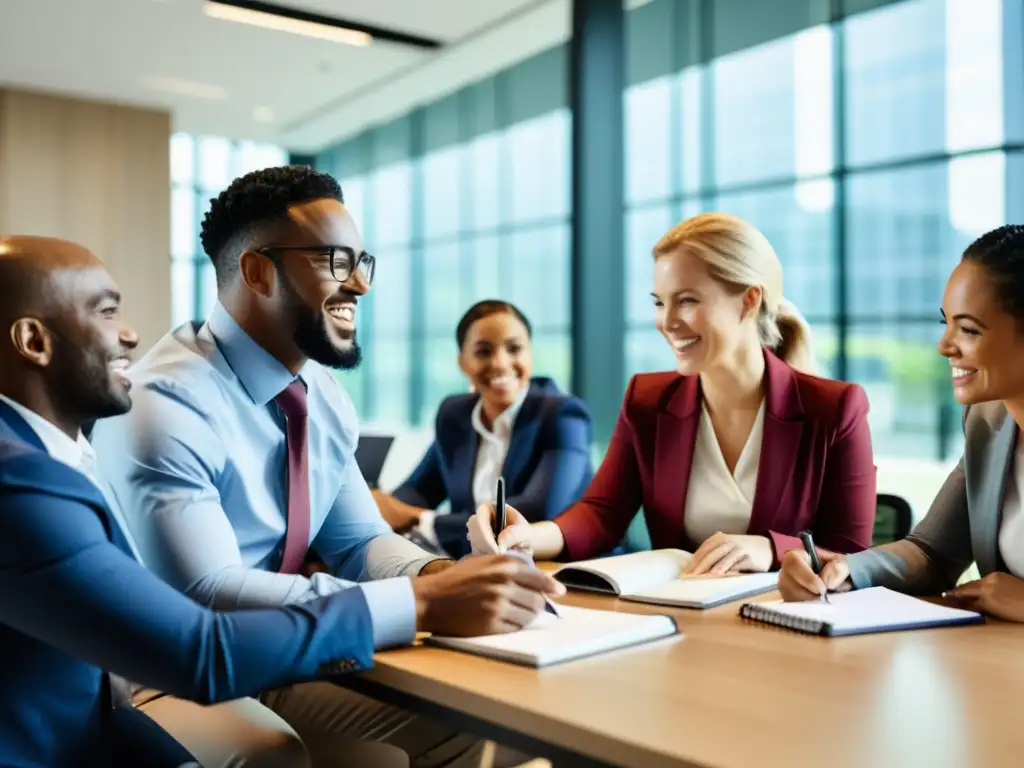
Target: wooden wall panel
column 97, row 174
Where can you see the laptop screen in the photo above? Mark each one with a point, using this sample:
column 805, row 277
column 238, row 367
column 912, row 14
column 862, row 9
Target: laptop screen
column 371, row 451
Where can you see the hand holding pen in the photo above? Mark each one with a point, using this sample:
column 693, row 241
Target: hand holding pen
column 809, row 573
column 498, row 524
column 499, row 528
column 812, row 553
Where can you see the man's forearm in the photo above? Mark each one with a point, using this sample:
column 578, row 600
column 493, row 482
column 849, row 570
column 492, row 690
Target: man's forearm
column 390, row 601
column 389, row 555
column 238, row 587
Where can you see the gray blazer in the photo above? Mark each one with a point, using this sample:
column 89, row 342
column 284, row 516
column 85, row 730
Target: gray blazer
column 962, row 525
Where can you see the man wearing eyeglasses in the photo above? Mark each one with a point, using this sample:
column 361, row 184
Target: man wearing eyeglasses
column 237, row 461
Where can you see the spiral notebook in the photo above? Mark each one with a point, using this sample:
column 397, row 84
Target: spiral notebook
column 864, row 611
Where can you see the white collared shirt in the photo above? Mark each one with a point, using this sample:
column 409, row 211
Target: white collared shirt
column 1011, row 528
column 77, row 454
column 493, row 448
column 717, row 499
column 490, row 457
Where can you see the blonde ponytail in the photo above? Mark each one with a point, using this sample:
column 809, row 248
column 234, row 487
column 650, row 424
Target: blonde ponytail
column 794, row 339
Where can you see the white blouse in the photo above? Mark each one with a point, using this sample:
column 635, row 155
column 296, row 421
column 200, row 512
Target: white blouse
column 717, row 499
column 1011, row 529
column 492, row 449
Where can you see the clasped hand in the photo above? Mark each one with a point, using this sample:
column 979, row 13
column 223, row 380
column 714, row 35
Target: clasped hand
column 725, row 553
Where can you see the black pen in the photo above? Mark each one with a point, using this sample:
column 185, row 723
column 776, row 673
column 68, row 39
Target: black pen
column 499, row 510
column 808, row 540
column 498, row 524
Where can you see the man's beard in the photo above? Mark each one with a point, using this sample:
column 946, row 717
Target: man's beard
column 311, row 335
column 82, row 377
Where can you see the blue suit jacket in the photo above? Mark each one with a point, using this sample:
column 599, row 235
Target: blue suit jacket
column 73, row 602
column 546, row 469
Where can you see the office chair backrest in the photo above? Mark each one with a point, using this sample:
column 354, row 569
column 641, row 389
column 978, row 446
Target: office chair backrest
column 893, row 519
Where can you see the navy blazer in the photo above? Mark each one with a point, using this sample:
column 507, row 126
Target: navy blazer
column 546, row 469
column 73, row 602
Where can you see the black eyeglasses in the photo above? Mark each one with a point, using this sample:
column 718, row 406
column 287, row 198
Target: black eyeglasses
column 342, row 259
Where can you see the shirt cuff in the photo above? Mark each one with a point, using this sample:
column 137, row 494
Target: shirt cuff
column 392, row 610
column 426, row 526
column 860, row 569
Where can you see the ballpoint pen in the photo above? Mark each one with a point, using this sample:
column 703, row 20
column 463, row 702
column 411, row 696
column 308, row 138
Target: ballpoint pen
column 808, row 541
column 498, row 525
column 499, row 510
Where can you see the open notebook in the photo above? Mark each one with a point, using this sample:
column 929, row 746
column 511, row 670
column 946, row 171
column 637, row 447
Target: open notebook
column 578, row 633
column 865, row 611
column 656, row 577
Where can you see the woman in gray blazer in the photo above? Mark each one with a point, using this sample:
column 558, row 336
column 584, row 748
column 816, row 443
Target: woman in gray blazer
column 978, row 515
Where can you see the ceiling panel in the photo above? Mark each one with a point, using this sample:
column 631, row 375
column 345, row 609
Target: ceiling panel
column 236, row 80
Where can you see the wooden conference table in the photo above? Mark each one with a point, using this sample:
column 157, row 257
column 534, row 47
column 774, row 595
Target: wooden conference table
column 731, row 694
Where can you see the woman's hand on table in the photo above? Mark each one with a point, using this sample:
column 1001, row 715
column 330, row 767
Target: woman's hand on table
column 725, row 553
column 999, row 594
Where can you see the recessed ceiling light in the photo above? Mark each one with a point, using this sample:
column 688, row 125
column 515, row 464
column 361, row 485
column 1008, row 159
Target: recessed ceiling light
column 263, row 115
column 185, row 87
column 280, row 23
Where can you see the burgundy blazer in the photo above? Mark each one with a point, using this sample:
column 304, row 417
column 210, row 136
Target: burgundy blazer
column 816, row 469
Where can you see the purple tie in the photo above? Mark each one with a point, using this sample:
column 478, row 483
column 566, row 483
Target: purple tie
column 292, row 402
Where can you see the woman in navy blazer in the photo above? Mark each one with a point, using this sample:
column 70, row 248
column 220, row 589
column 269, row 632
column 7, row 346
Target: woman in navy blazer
column 740, row 448
column 512, row 425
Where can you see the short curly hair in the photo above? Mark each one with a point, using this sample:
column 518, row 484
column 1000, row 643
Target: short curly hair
column 241, row 214
column 1001, row 253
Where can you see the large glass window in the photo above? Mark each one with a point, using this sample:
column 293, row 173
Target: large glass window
column 538, row 150
column 649, row 141
column 773, row 109
column 201, row 167
column 391, row 366
column 924, row 77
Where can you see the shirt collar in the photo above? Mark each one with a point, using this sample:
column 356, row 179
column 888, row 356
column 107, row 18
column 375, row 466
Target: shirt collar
column 261, row 374
column 503, row 424
column 77, row 454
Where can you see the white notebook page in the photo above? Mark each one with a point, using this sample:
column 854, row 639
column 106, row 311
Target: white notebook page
column 876, row 607
column 697, row 589
column 579, row 632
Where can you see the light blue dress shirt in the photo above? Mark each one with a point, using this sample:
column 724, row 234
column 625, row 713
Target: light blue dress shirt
column 199, row 469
